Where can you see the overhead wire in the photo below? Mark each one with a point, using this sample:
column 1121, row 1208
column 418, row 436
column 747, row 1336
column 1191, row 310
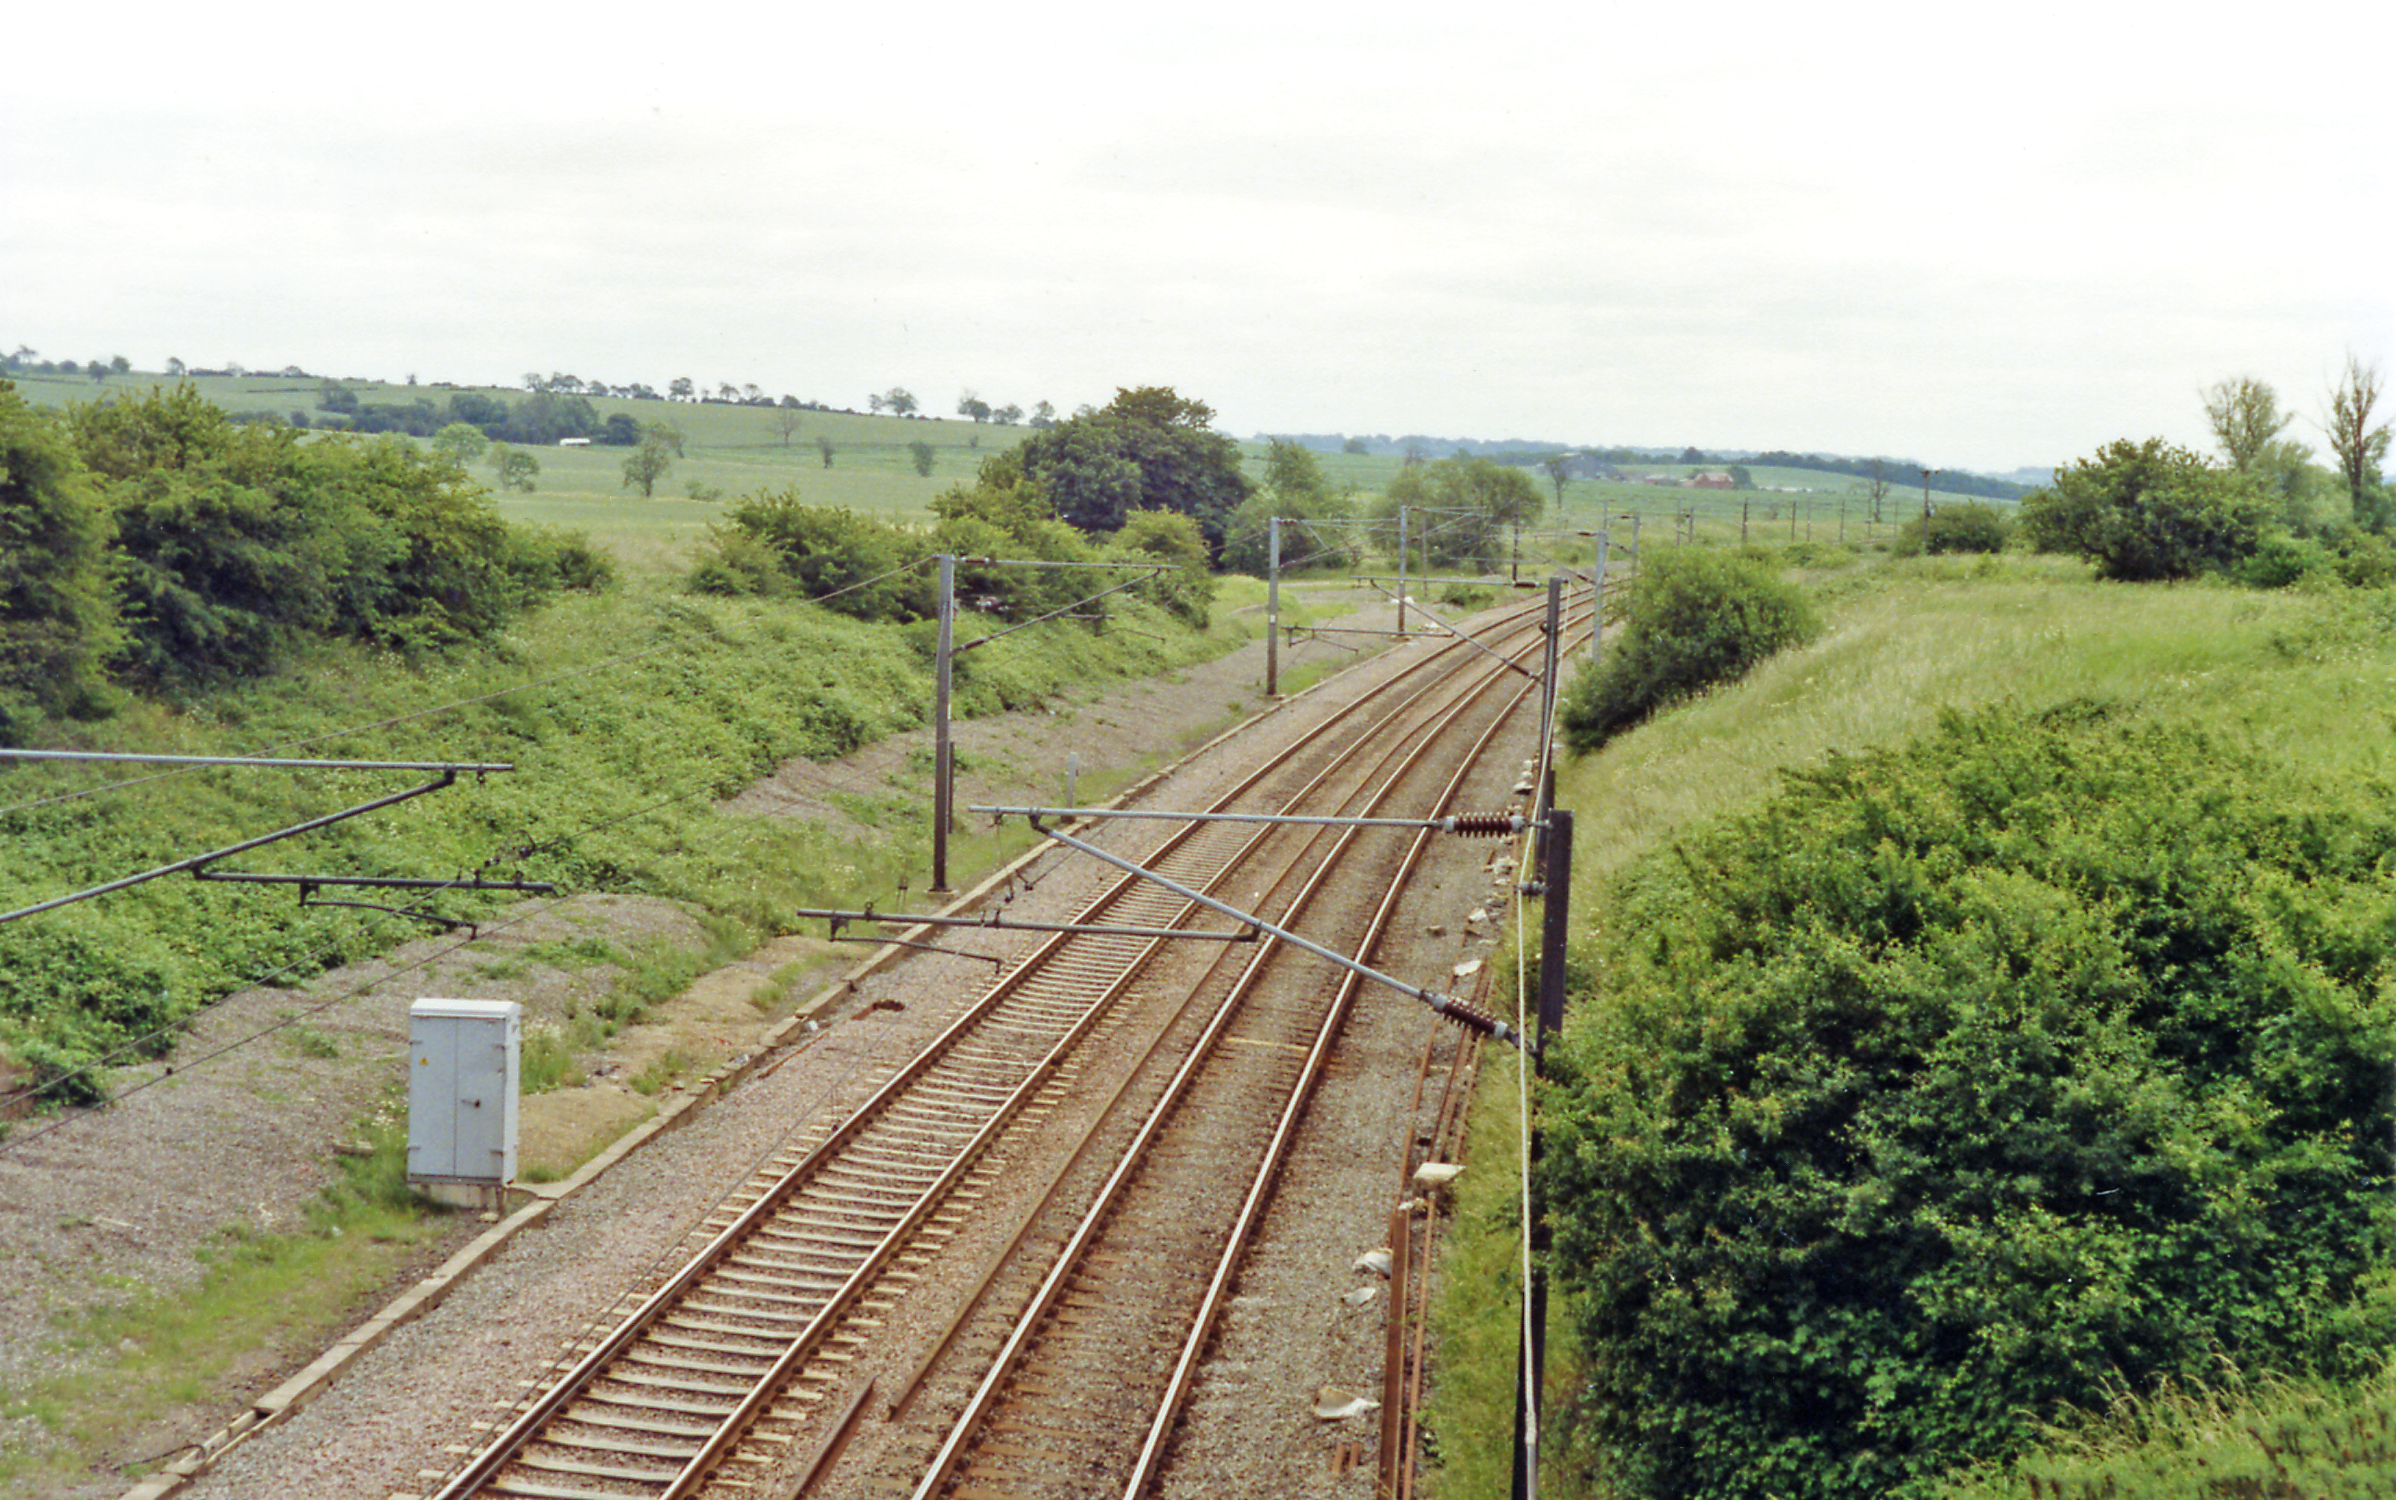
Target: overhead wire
column 60, row 1081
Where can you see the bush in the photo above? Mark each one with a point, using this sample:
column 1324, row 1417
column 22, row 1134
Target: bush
column 2144, row 511
column 1970, row 1081
column 1957, row 526
column 777, row 546
column 1696, row 618
column 2282, row 561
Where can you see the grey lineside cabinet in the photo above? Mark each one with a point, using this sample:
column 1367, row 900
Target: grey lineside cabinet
column 462, row 1079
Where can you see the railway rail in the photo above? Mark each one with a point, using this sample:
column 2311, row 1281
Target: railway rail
column 1100, row 1071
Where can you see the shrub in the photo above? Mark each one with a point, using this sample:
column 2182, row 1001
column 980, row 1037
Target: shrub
column 778, row 546
column 1957, row 526
column 2282, row 561
column 1969, row 1081
column 2144, row 511
column 1696, row 618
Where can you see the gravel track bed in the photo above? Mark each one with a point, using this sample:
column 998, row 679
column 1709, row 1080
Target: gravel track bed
column 171, row 1166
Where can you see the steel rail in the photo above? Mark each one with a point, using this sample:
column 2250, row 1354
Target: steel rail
column 1070, row 1259
column 502, row 1450
column 1285, row 1130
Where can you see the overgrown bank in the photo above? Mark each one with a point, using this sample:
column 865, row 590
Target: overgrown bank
column 628, row 717
column 1798, row 1221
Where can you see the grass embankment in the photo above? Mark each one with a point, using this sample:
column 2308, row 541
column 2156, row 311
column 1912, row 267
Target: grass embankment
column 2296, row 678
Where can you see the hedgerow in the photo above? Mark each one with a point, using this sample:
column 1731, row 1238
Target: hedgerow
column 1969, row 1082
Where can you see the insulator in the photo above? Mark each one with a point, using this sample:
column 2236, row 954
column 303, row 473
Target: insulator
column 1471, row 1017
column 1491, row 825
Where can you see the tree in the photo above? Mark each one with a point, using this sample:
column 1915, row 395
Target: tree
column 898, row 401
column 515, row 468
column 2358, row 444
column 58, row 611
column 1559, row 469
column 2246, row 419
column 680, row 388
column 1148, row 449
column 647, row 464
column 788, row 418
column 461, row 443
column 1475, row 501
column 823, row 445
column 175, row 367
column 1044, row 416
column 971, row 405
column 665, row 434
column 922, row 453
column 2146, row 511
column 1007, row 415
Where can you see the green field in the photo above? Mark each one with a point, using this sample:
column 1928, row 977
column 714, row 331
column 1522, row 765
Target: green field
column 737, row 451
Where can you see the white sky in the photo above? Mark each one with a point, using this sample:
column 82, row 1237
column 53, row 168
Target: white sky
column 1978, row 242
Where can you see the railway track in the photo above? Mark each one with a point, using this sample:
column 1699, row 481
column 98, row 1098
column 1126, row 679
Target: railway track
column 739, row 1372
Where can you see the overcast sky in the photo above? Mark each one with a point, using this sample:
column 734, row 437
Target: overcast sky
column 1876, row 229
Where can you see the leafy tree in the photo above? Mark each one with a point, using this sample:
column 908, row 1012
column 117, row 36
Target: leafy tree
column 971, row 405
column 1970, row 1081
column 665, row 434
column 1476, row 501
column 58, row 611
column 897, row 400
column 1740, row 479
column 922, row 454
column 515, row 468
column 1044, row 416
column 680, row 388
column 547, row 416
column 2246, row 419
column 1354, row 445
column 2357, row 442
column 1148, row 449
column 2144, row 511
column 461, row 443
column 1695, row 618
column 823, row 445
column 1007, row 415
column 336, row 397
column 620, row 431
column 647, row 464
column 175, row 367
column 478, row 410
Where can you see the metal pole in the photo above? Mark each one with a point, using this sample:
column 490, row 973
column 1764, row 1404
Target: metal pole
column 1597, row 604
column 943, row 790
column 1547, row 677
column 1401, row 570
column 1555, row 915
column 1272, row 607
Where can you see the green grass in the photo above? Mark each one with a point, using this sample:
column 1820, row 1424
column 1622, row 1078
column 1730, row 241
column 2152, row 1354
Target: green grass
column 160, row 1351
column 2306, row 677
